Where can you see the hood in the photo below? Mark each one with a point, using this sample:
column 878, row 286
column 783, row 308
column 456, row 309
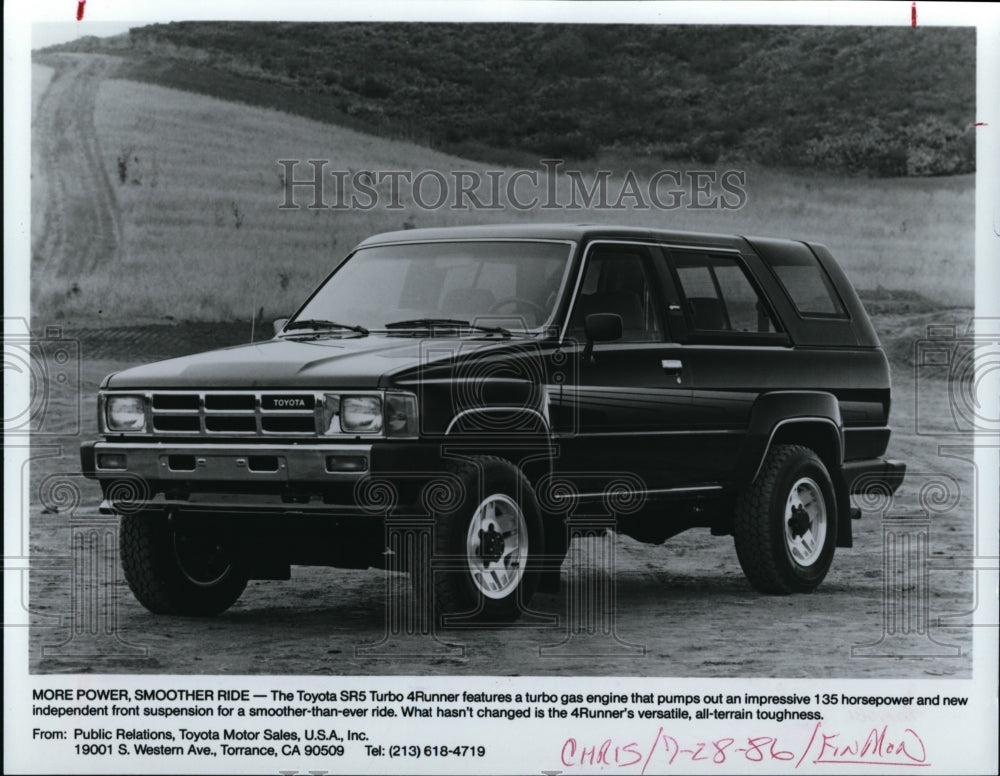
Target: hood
column 323, row 362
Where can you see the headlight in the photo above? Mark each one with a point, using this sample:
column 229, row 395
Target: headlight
column 361, row 414
column 331, row 414
column 400, row 414
column 126, row 413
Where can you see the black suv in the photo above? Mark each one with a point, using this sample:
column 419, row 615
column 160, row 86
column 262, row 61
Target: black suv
column 493, row 385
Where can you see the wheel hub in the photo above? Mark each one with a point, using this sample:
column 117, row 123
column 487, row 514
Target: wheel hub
column 800, row 522
column 496, row 545
column 805, row 522
column 491, row 544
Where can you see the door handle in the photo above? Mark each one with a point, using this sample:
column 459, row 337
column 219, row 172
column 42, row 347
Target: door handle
column 672, row 366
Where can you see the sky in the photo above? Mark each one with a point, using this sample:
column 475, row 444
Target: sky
column 50, row 33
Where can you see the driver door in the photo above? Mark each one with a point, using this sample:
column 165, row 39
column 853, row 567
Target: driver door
column 630, row 396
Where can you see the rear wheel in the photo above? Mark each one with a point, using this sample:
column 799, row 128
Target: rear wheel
column 179, row 567
column 786, row 523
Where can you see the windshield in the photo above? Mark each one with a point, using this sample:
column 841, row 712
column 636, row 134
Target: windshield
column 502, row 285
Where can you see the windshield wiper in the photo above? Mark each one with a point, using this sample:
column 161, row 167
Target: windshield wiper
column 317, row 323
column 419, row 323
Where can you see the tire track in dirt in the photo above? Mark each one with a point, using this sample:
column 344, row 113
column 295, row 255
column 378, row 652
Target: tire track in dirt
column 81, row 222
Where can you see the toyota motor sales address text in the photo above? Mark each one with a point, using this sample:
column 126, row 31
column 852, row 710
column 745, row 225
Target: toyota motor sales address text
column 305, row 727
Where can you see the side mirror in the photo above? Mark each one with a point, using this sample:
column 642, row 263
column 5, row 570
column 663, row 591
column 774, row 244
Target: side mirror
column 600, row 327
column 603, row 327
column 279, row 324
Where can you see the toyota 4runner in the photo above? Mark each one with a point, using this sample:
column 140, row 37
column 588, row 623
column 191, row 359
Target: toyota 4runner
column 492, row 386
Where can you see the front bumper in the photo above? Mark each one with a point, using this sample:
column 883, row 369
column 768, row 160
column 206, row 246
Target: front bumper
column 238, row 464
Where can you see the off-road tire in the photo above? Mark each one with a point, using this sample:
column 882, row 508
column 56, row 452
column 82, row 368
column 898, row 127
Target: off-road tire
column 769, row 515
column 149, row 545
column 487, row 568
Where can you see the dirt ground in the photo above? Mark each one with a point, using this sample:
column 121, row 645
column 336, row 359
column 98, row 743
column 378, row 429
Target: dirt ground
column 680, row 609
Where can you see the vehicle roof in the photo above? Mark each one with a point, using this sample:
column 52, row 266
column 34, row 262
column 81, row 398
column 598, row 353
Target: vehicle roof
column 546, row 231
column 852, row 330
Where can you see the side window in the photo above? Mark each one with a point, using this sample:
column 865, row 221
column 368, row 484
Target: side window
column 616, row 280
column 719, row 297
column 808, row 286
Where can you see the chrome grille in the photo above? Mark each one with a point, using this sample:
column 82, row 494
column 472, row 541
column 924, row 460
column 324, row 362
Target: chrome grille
column 234, row 413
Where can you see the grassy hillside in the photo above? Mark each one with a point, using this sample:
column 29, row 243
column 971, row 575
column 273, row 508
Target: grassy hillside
column 881, row 101
column 204, row 238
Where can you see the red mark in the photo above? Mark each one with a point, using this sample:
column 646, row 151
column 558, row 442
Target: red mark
column 79, row 10
column 981, row 124
column 913, row 15
column 877, row 748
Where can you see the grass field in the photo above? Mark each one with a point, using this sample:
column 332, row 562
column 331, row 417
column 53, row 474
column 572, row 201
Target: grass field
column 40, row 78
column 198, row 188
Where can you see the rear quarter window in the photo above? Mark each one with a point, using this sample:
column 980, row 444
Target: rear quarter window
column 808, row 286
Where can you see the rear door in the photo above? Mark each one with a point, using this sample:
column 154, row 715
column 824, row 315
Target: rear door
column 731, row 348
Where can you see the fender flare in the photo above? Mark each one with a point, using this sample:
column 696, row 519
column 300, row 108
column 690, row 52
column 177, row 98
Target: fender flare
column 465, row 421
column 810, row 418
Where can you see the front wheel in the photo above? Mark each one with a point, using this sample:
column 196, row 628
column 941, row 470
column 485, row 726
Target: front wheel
column 179, row 567
column 786, row 523
column 487, row 549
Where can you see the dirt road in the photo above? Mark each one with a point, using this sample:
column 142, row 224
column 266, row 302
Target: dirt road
column 680, row 609
column 80, row 228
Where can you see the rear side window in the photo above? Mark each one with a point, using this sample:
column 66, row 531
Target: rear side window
column 808, row 286
column 719, row 297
